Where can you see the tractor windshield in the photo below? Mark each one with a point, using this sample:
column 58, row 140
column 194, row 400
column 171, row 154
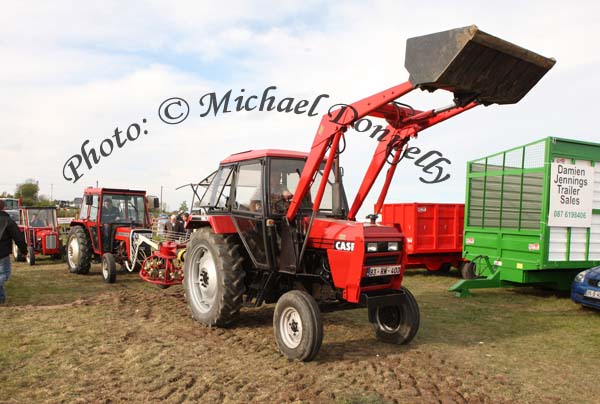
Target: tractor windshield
column 216, row 195
column 123, row 208
column 11, row 204
column 41, row 217
column 284, row 177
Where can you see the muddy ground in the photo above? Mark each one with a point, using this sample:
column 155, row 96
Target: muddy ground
column 132, row 342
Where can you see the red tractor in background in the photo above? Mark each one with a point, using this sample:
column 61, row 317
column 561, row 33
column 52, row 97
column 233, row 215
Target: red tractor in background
column 40, row 228
column 277, row 225
column 109, row 225
column 12, row 206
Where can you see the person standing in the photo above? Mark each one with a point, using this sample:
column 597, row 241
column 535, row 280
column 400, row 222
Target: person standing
column 9, row 232
column 173, row 226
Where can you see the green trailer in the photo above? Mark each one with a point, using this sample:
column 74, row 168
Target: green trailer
column 532, row 216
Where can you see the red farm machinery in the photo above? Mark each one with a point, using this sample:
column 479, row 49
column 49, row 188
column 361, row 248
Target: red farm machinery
column 110, row 227
column 433, row 233
column 277, row 227
column 40, row 228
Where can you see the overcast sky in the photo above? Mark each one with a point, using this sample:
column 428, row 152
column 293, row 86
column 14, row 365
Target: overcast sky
column 71, row 71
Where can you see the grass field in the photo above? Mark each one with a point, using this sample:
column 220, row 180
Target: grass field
column 69, row 338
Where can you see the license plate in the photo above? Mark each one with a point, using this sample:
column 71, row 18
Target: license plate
column 592, row 293
column 382, row 271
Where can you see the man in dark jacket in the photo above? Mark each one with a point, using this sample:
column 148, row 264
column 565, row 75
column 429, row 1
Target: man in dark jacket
column 9, row 232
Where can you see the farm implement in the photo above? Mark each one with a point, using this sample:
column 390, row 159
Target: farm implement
column 164, row 267
column 277, row 226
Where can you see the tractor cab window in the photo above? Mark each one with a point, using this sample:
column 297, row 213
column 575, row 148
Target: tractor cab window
column 216, row 196
column 284, row 177
column 93, row 209
column 41, row 218
column 248, row 191
column 11, row 204
column 83, row 210
column 123, row 209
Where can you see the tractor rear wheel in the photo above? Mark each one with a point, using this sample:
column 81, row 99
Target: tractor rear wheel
column 17, row 253
column 298, row 326
column 468, row 270
column 109, row 268
column 214, row 277
column 30, row 256
column 398, row 324
column 79, row 251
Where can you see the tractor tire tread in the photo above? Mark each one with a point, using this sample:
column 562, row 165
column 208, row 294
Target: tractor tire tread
column 85, row 247
column 232, row 276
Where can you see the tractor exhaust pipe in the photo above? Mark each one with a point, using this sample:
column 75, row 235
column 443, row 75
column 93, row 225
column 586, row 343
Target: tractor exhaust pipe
column 474, row 65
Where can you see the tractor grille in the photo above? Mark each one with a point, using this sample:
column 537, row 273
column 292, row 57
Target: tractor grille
column 381, row 260
column 376, row 280
column 51, row 241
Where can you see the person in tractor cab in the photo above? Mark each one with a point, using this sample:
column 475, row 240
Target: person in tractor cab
column 37, row 221
column 278, row 194
column 110, row 213
column 9, row 233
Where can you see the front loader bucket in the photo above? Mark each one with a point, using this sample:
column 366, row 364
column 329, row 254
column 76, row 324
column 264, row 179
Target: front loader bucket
column 474, row 65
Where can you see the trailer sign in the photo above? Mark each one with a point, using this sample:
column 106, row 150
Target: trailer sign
column 571, row 193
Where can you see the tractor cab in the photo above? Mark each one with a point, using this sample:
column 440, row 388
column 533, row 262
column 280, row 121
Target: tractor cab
column 250, row 194
column 39, row 226
column 105, row 210
column 12, row 206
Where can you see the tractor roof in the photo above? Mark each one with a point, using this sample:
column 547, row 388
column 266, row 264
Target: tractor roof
column 98, row 191
column 254, row 154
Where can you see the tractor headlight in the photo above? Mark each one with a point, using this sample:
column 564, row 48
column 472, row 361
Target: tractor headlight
column 371, row 247
column 580, row 276
column 392, row 246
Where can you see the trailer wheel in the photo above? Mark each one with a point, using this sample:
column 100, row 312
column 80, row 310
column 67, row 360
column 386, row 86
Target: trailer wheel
column 298, row 326
column 79, row 251
column 30, row 256
column 468, row 270
column 109, row 268
column 17, row 253
column 398, row 324
column 213, row 278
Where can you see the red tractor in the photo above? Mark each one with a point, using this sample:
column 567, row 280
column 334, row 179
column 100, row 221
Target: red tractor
column 277, row 225
column 39, row 226
column 108, row 228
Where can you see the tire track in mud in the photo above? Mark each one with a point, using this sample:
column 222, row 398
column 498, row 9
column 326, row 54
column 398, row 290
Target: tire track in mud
column 242, row 364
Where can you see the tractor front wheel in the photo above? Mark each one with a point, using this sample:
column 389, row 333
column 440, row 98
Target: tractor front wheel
column 30, row 256
column 398, row 324
column 109, row 268
column 298, row 326
column 17, row 253
column 214, row 277
column 79, row 251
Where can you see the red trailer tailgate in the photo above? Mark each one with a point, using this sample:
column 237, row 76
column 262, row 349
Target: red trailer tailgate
column 428, row 227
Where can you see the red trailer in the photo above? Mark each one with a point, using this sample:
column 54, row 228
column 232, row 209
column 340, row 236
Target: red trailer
column 433, row 233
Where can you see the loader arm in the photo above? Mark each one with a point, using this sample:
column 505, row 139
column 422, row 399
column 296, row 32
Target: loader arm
column 476, row 67
column 329, row 134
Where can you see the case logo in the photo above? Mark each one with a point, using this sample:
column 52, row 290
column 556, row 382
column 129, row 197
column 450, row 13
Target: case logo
column 344, row 245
